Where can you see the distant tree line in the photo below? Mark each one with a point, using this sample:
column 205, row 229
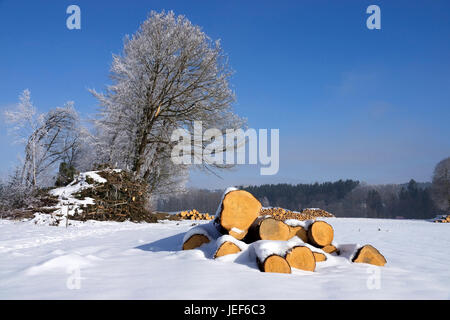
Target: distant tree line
column 347, row 198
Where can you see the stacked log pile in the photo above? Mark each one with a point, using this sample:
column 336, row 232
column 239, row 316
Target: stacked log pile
column 443, row 219
column 193, row 215
column 278, row 239
column 305, row 214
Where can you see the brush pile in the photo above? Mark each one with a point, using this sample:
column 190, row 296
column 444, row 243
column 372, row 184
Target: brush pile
column 278, row 239
column 105, row 195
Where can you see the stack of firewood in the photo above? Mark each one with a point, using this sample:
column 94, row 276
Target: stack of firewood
column 305, row 214
column 194, row 215
column 278, row 239
column 443, row 219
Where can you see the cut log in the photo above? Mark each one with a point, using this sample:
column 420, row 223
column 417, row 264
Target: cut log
column 238, row 211
column 298, row 231
column 271, row 229
column 195, row 241
column 319, row 257
column 368, row 254
column 302, row 258
column 320, row 234
column 226, row 248
column 330, row 249
column 274, row 263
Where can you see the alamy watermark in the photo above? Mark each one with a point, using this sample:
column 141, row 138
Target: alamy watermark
column 374, row 280
column 229, row 148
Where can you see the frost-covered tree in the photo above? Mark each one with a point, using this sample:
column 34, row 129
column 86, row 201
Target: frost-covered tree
column 169, row 75
column 49, row 138
column 441, row 185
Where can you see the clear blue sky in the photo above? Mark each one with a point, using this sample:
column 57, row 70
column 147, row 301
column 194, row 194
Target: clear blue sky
column 372, row 105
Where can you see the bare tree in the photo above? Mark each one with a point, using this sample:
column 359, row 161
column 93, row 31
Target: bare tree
column 169, row 75
column 49, row 138
column 441, row 185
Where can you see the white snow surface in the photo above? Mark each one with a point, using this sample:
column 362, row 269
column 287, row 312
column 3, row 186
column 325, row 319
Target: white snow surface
column 127, row 260
column 67, row 203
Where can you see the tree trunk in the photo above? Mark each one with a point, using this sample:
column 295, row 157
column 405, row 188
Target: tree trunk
column 320, row 234
column 302, row 258
column 195, row 241
column 239, row 210
column 370, row 255
column 226, row 248
column 268, row 229
column 274, row 263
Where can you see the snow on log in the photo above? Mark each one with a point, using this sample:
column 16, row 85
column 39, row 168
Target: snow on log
column 368, row 254
column 237, row 211
column 270, row 255
column 195, row 241
column 301, row 257
column 199, row 235
column 226, row 248
column 228, row 245
column 320, row 233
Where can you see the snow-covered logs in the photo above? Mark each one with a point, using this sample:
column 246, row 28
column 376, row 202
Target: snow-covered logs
column 275, row 245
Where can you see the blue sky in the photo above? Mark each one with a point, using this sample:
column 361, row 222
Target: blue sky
column 350, row 102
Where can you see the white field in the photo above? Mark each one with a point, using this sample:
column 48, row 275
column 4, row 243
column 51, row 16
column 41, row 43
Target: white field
column 105, row 260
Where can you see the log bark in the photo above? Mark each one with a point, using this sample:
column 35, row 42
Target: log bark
column 274, row 263
column 195, row 241
column 226, row 248
column 320, row 234
column 302, row 258
column 368, row 254
column 238, row 211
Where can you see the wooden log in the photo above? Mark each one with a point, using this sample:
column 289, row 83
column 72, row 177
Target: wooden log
column 298, row 231
column 319, row 257
column 271, row 229
column 368, row 254
column 274, row 263
column 239, row 209
column 226, row 248
column 195, row 241
column 330, row 249
column 320, row 233
column 302, row 258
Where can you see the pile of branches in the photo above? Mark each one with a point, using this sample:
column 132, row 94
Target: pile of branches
column 122, row 197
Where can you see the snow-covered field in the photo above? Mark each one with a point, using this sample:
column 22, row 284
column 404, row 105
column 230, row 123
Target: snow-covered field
column 105, row 260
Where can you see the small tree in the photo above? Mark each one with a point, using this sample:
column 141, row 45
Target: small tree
column 441, row 185
column 169, row 75
column 49, row 138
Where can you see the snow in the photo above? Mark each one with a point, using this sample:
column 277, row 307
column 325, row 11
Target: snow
column 67, row 203
column 143, row 261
